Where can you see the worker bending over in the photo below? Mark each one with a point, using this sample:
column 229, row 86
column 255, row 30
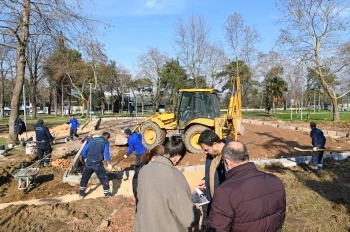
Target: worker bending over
column 94, row 152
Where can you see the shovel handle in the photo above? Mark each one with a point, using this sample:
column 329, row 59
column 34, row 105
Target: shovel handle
column 118, row 162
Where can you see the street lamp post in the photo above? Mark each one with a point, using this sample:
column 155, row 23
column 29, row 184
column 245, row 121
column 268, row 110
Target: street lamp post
column 314, row 101
column 25, row 110
column 90, row 118
column 108, row 105
column 136, row 105
column 301, row 104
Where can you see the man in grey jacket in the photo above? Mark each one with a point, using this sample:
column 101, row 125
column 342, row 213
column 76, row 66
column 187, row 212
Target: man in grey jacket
column 164, row 195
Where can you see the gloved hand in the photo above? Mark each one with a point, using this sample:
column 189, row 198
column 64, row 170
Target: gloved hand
column 125, row 156
column 314, row 149
column 109, row 168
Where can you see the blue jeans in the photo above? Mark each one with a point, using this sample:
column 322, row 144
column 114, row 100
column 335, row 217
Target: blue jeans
column 73, row 132
column 97, row 167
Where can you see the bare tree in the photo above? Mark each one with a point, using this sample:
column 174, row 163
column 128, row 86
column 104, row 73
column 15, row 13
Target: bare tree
column 6, row 66
column 215, row 62
column 190, row 43
column 94, row 54
column 51, row 16
column 150, row 66
column 241, row 40
column 312, row 32
column 38, row 49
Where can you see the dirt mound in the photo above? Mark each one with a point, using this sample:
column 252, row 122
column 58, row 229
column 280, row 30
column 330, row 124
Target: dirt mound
column 124, row 218
column 60, row 130
column 85, row 215
column 61, row 163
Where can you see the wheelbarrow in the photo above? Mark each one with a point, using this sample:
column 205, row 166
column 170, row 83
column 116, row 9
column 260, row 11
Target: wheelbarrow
column 25, row 177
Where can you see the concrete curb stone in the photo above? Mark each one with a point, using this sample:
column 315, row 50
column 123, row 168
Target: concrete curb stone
column 343, row 134
column 333, row 133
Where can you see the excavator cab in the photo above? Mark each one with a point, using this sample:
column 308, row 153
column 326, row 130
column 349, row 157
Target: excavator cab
column 197, row 103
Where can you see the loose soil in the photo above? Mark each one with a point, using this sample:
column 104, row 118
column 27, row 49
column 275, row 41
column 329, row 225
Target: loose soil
column 313, row 203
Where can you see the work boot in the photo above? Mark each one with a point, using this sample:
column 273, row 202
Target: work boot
column 315, row 171
column 47, row 164
column 81, row 197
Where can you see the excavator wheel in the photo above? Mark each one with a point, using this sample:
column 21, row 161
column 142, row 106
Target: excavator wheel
column 191, row 138
column 152, row 135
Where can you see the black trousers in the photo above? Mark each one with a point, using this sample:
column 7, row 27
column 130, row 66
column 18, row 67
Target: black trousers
column 90, row 168
column 44, row 148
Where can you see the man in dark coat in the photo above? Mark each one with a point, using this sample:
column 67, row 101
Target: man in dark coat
column 248, row 200
column 214, row 165
column 318, row 142
column 43, row 138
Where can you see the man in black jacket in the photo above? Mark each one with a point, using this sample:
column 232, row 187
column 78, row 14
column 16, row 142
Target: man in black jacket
column 43, row 138
column 214, row 166
column 318, row 142
column 249, row 199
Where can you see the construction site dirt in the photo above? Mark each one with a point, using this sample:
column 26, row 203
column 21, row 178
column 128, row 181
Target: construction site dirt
column 306, row 193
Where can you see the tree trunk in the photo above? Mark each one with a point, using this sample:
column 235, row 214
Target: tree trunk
column 121, row 107
column 20, row 71
column 319, row 101
column 102, row 101
column 336, row 116
column 112, row 100
column 143, row 105
column 62, row 100
column 329, row 92
column 33, row 98
column 2, row 92
column 49, row 106
column 69, row 100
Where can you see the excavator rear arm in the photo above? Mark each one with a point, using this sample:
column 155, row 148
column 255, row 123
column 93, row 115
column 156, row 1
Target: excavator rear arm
column 233, row 119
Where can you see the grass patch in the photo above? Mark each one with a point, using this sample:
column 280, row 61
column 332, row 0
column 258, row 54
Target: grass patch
column 285, row 115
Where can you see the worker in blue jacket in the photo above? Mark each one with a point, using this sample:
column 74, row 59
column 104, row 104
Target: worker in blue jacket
column 94, row 152
column 318, row 142
column 135, row 144
column 43, row 138
column 74, row 124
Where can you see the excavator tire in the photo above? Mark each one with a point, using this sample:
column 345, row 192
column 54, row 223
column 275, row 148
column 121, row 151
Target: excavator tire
column 191, row 138
column 152, row 135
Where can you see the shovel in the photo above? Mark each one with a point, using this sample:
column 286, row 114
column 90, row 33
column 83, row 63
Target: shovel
column 119, row 161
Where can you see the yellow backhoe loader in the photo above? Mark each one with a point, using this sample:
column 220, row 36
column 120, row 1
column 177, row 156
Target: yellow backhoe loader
column 198, row 110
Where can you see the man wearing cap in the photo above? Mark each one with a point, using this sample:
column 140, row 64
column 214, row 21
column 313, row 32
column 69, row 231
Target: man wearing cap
column 135, row 144
column 94, row 152
column 318, row 141
column 43, row 138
